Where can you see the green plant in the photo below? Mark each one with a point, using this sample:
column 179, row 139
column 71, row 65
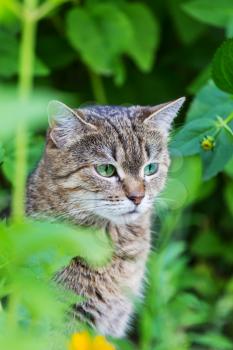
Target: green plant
column 105, row 51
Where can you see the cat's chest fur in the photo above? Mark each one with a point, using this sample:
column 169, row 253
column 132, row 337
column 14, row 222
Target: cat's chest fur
column 110, row 292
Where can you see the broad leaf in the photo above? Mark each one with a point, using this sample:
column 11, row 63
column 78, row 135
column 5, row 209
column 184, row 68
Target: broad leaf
column 188, row 139
column 55, row 243
column 187, row 28
column 215, row 160
column 210, row 102
column 212, row 340
column 222, row 71
column 215, row 12
column 33, row 113
column 86, row 38
column 145, row 38
column 103, row 32
column 100, row 35
column 114, row 27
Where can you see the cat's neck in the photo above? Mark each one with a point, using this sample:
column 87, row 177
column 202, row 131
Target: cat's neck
column 131, row 241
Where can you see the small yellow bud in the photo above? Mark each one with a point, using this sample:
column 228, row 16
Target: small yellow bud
column 208, row 143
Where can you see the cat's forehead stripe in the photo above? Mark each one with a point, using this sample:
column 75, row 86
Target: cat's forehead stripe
column 129, row 141
column 111, row 111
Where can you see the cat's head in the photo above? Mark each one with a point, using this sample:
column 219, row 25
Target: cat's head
column 109, row 161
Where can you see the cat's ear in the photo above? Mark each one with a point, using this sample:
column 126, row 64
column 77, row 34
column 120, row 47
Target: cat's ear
column 162, row 116
column 66, row 124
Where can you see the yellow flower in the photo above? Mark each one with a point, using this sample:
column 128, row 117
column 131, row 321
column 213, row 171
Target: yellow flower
column 80, row 341
column 208, row 143
column 83, row 341
column 100, row 343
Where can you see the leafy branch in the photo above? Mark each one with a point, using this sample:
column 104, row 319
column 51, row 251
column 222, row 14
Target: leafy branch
column 48, row 6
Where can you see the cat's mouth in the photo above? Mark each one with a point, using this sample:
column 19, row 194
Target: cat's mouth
column 134, row 211
column 119, row 213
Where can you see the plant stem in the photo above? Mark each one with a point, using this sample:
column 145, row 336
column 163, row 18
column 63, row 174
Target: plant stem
column 25, row 86
column 229, row 118
column 97, row 88
column 27, row 52
column 47, row 7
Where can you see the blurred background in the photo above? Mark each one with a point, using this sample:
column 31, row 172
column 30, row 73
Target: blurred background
column 128, row 53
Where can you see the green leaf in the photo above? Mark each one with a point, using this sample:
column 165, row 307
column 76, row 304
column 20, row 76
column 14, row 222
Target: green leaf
column 53, row 244
column 145, row 39
column 215, row 160
column 213, row 340
column 214, row 12
column 224, row 306
column 103, row 32
column 100, row 35
column 188, row 139
column 6, row 15
column 33, row 113
column 186, row 27
column 222, row 69
column 85, row 37
column 114, row 27
column 210, row 102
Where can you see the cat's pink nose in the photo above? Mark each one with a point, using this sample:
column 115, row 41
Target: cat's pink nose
column 136, row 197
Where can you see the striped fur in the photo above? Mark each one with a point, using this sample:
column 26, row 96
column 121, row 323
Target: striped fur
column 66, row 185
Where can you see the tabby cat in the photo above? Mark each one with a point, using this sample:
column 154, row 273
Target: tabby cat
column 103, row 166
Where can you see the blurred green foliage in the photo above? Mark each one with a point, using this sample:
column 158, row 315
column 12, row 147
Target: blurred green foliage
column 122, row 52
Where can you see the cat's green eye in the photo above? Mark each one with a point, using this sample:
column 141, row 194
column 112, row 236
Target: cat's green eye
column 151, row 169
column 106, row 170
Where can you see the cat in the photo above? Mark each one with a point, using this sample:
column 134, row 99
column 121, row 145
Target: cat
column 103, row 166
